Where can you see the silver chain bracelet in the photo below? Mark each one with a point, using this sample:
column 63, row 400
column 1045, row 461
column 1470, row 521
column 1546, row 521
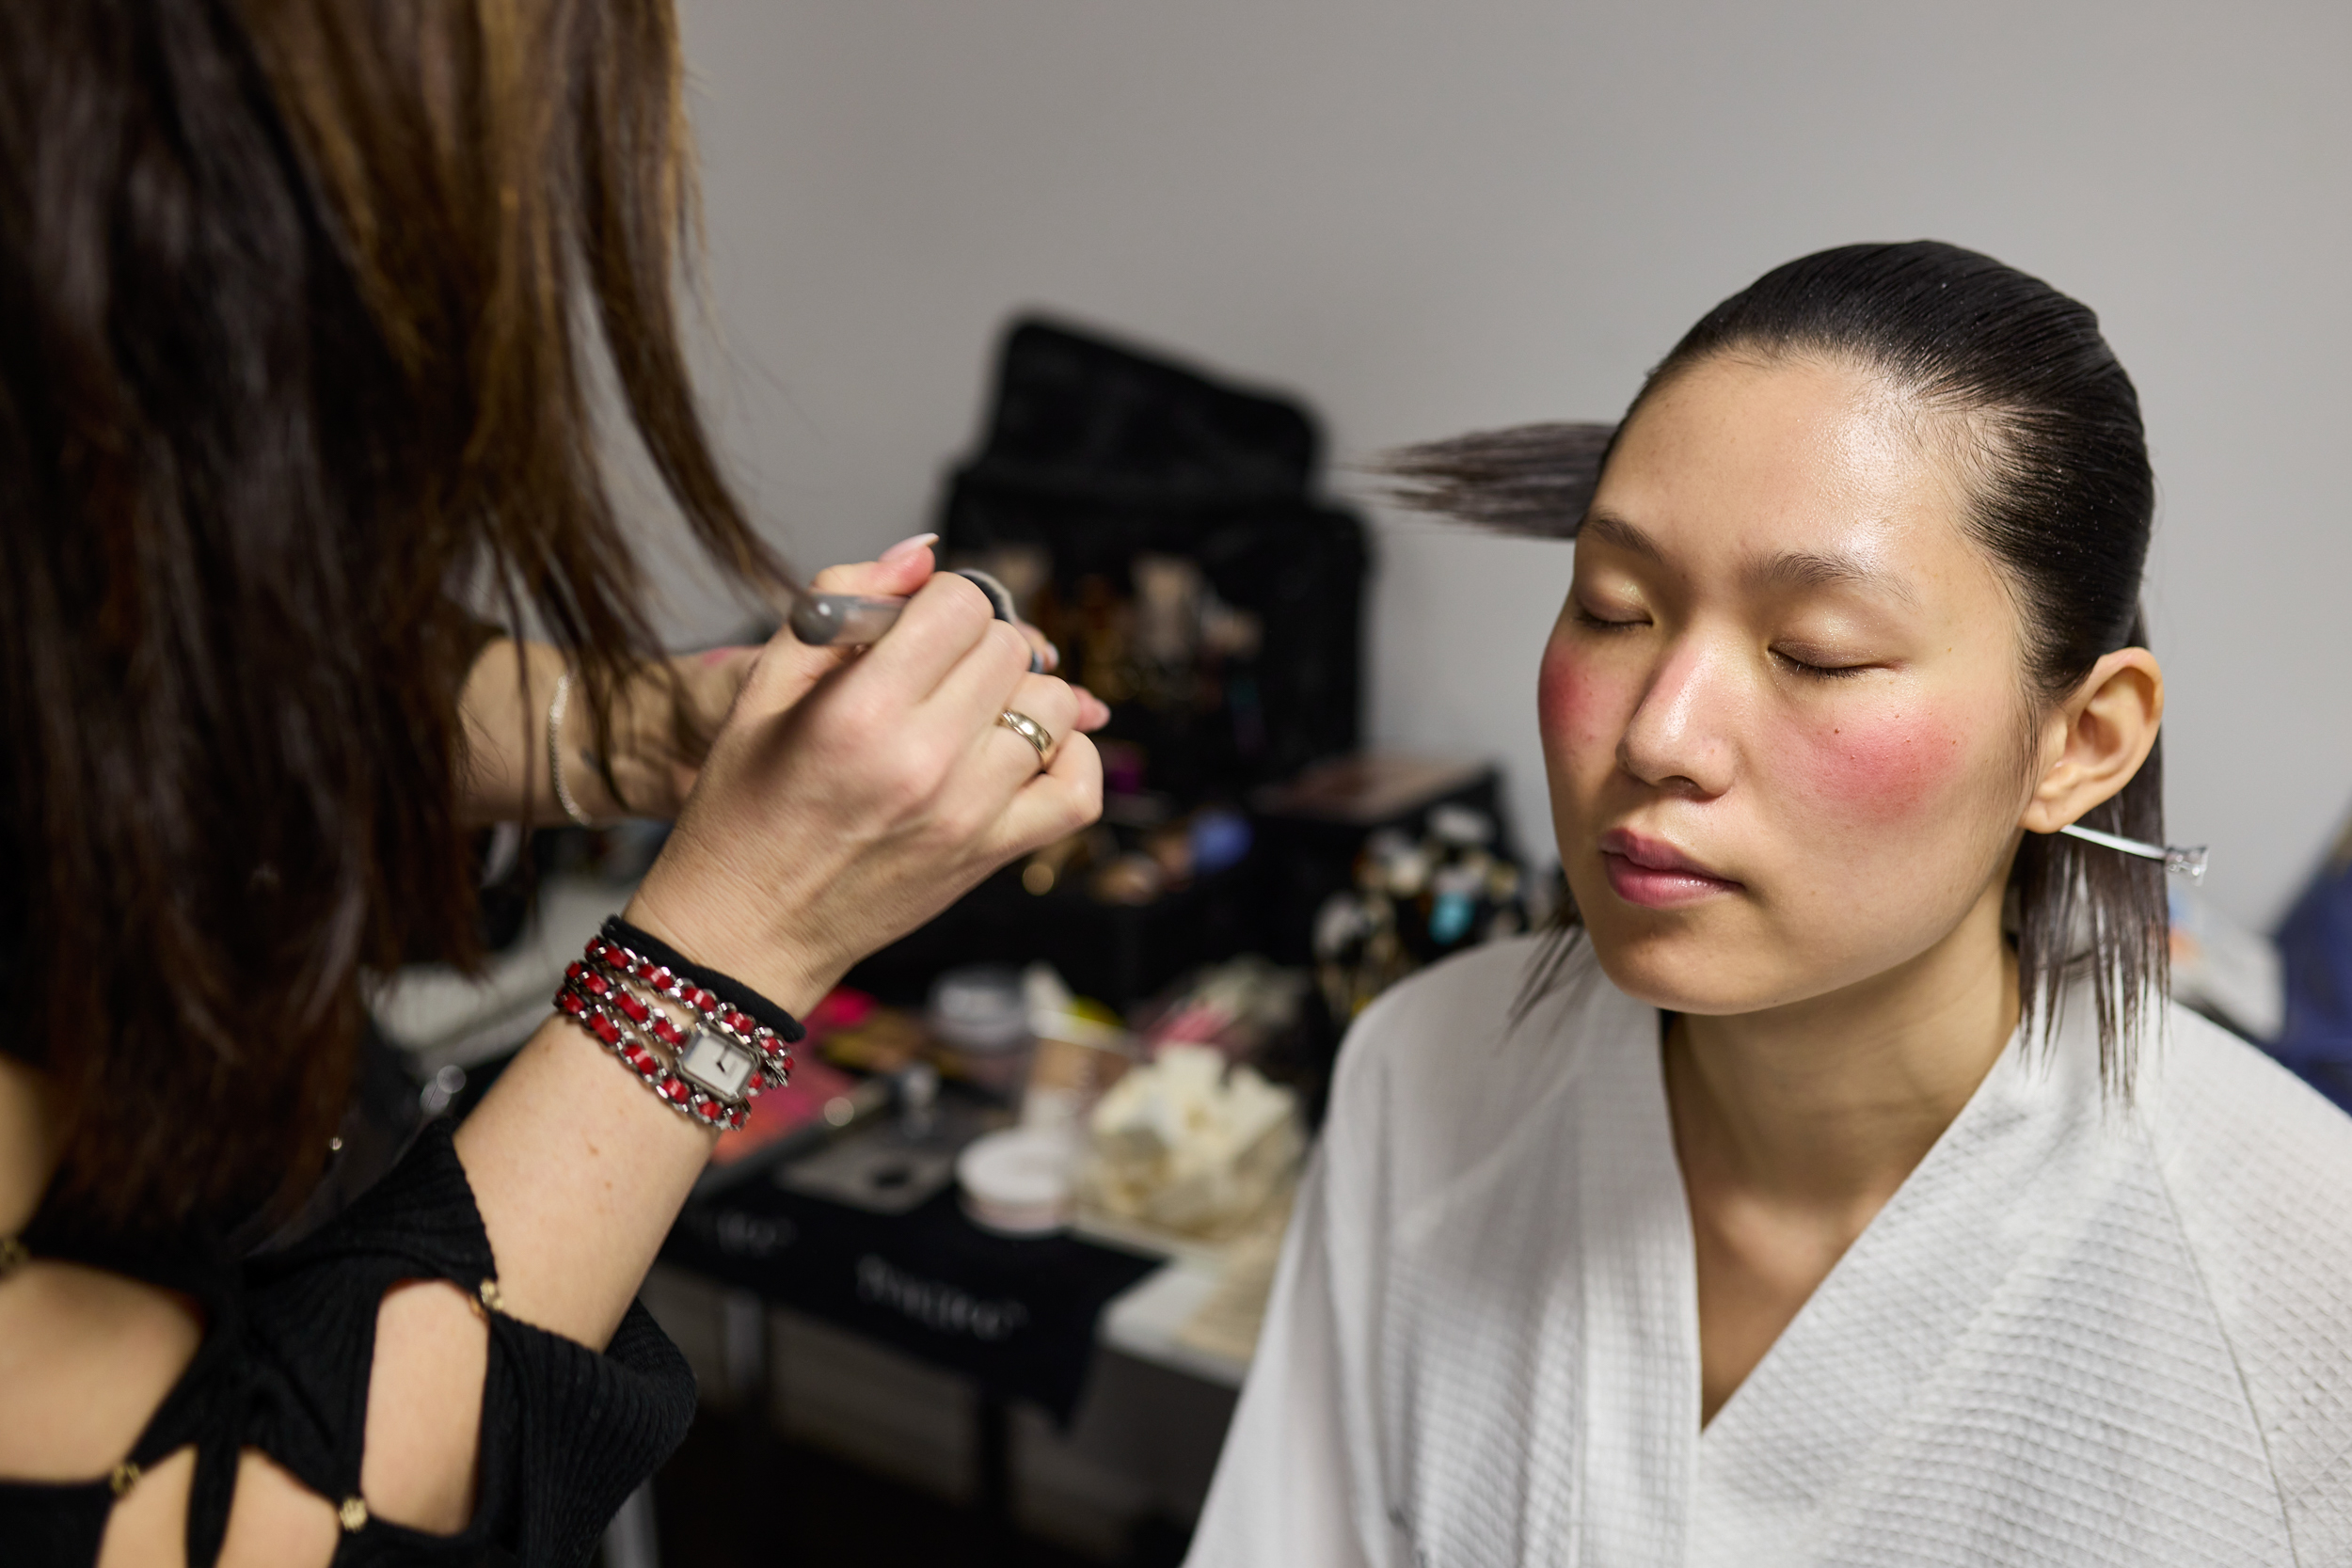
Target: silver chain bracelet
column 564, row 796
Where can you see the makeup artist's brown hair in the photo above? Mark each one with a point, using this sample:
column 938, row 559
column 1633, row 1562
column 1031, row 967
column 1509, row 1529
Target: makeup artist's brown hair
column 2046, row 426
column 293, row 359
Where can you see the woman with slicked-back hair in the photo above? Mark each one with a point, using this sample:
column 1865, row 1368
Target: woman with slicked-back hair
column 1835, row 1183
column 298, row 301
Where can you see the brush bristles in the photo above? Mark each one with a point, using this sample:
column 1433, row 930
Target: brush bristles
column 1534, row 480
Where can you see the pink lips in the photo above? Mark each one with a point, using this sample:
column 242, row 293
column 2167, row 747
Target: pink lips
column 1656, row 874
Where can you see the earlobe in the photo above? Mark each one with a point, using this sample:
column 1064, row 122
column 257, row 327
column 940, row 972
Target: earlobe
column 2108, row 728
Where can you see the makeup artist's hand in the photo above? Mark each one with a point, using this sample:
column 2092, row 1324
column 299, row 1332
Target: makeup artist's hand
column 663, row 718
column 850, row 796
column 696, row 692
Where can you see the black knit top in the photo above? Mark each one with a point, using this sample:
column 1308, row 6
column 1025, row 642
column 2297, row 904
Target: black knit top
column 566, row 1434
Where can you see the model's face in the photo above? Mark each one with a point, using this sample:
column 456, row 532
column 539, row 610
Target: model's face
column 1783, row 712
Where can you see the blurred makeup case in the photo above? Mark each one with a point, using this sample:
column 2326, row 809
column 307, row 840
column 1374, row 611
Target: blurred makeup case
column 1165, row 529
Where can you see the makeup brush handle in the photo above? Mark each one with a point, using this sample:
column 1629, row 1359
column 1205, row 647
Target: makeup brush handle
column 855, row 620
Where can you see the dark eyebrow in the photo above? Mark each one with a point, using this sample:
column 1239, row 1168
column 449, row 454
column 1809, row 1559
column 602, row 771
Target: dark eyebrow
column 1624, row 535
column 1820, row 569
column 1797, row 569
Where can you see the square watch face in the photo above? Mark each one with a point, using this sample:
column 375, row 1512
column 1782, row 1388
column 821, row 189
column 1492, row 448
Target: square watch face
column 715, row 1064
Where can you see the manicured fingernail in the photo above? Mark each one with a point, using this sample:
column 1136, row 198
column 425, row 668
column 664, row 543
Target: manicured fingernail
column 906, row 548
column 1053, row 658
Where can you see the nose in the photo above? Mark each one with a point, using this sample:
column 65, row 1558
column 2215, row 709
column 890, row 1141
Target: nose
column 1676, row 739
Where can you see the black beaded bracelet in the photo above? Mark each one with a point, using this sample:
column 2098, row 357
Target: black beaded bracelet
column 737, row 993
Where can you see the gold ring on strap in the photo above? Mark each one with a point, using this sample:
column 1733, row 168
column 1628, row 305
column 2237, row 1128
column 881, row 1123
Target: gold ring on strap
column 1031, row 731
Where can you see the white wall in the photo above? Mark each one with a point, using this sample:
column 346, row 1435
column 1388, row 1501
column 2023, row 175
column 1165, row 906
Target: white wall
column 1430, row 217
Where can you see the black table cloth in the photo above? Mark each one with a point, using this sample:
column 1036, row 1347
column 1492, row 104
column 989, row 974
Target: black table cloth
column 1017, row 1315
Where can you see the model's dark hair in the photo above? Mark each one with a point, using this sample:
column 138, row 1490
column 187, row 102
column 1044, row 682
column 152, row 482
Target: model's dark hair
column 2016, row 383
column 291, row 359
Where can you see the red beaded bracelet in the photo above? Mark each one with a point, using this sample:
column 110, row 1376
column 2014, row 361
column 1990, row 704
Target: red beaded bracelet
column 623, row 964
column 721, row 1061
column 624, row 1042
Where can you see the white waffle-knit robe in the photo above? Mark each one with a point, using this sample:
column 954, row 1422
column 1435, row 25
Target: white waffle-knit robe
column 2079, row 1333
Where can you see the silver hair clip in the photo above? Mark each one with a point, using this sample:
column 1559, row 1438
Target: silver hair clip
column 2189, row 863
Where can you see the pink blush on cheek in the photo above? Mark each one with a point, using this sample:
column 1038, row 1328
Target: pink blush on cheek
column 1574, row 704
column 1881, row 769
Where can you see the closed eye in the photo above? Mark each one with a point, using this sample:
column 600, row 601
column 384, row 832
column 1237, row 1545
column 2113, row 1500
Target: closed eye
column 1602, row 623
column 1818, row 672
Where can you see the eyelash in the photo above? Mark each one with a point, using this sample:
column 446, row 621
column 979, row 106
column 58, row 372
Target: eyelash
column 1810, row 672
column 1820, row 671
column 1586, row 618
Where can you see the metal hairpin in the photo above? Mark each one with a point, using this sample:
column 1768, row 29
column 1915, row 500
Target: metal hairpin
column 2189, row 863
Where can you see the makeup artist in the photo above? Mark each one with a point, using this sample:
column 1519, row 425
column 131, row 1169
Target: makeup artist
column 297, row 298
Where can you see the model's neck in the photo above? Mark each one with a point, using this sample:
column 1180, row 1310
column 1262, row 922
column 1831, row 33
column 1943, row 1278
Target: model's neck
column 1832, row 1102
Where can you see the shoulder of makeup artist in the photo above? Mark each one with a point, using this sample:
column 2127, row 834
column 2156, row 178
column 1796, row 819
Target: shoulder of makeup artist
column 289, row 396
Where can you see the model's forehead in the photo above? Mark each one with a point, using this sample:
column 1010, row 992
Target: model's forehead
column 1801, row 453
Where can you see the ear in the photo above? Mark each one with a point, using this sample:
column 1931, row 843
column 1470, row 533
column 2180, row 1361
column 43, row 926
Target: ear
column 2096, row 740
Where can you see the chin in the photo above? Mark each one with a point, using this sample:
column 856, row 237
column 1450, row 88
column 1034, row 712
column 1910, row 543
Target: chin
column 1678, row 964
column 1665, row 979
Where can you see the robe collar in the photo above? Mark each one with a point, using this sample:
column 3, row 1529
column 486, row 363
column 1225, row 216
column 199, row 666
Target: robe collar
column 1872, row 1335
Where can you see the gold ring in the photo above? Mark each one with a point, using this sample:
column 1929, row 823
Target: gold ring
column 1031, row 731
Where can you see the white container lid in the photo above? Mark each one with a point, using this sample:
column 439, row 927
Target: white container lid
column 980, row 1008
column 1018, row 1183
